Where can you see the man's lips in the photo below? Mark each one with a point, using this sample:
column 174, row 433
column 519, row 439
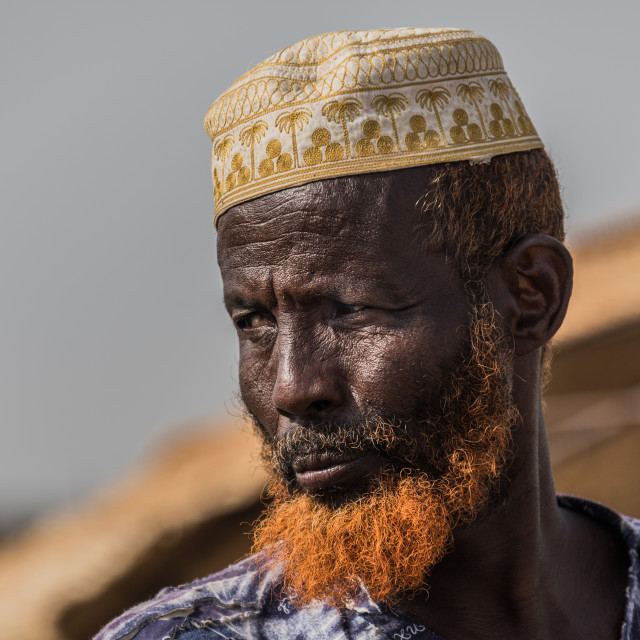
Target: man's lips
column 322, row 470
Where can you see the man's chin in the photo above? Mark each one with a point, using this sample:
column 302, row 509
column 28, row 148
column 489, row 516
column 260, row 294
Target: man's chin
column 338, row 496
column 328, row 544
column 385, row 531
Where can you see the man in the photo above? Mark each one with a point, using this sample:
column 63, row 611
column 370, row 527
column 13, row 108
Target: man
column 390, row 240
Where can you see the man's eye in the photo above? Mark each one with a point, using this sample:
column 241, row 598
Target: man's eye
column 343, row 309
column 254, row 320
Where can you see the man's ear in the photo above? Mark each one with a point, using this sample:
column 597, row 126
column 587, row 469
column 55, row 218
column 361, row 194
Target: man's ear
column 531, row 286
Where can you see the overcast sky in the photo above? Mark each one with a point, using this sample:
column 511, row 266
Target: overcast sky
column 112, row 325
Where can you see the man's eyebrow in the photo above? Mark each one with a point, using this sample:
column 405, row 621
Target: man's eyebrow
column 238, row 301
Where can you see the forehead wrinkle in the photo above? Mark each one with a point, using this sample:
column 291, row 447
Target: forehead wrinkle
column 347, row 197
column 296, row 234
column 327, row 194
column 284, row 231
column 300, row 284
column 345, row 225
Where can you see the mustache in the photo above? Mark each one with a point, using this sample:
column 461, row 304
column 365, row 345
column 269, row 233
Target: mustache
column 390, row 438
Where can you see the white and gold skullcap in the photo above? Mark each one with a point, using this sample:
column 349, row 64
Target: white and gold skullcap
column 355, row 102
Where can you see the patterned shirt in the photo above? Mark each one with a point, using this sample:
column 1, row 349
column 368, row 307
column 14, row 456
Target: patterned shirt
column 239, row 603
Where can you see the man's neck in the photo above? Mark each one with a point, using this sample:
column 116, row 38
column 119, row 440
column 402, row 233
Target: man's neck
column 529, row 569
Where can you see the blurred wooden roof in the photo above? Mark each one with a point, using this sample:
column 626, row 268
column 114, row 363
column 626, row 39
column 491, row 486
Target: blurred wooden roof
column 98, row 552
column 606, row 289
column 593, row 404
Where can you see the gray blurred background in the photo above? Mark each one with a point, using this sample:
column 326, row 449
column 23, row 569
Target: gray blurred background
column 113, row 330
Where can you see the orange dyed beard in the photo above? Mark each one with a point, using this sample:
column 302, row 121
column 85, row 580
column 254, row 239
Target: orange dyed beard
column 389, row 536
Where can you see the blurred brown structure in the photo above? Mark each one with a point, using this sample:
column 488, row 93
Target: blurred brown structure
column 185, row 511
column 594, row 398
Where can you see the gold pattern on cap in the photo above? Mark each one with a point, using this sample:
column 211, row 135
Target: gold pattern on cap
column 354, row 102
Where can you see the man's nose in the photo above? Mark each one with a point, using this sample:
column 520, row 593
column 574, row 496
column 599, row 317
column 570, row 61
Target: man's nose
column 308, row 381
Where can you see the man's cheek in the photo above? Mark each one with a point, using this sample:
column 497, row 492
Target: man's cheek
column 256, row 391
column 384, row 378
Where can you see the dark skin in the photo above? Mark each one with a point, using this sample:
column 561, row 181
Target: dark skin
column 338, row 310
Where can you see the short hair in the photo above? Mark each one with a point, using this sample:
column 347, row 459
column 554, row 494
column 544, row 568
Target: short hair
column 477, row 211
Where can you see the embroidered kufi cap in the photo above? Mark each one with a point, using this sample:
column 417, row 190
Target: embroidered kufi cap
column 354, row 102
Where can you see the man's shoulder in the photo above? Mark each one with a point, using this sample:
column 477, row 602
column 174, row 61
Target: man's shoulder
column 246, row 601
column 629, row 529
column 225, row 600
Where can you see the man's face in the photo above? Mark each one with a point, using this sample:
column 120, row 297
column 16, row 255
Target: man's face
column 338, row 310
column 359, row 366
